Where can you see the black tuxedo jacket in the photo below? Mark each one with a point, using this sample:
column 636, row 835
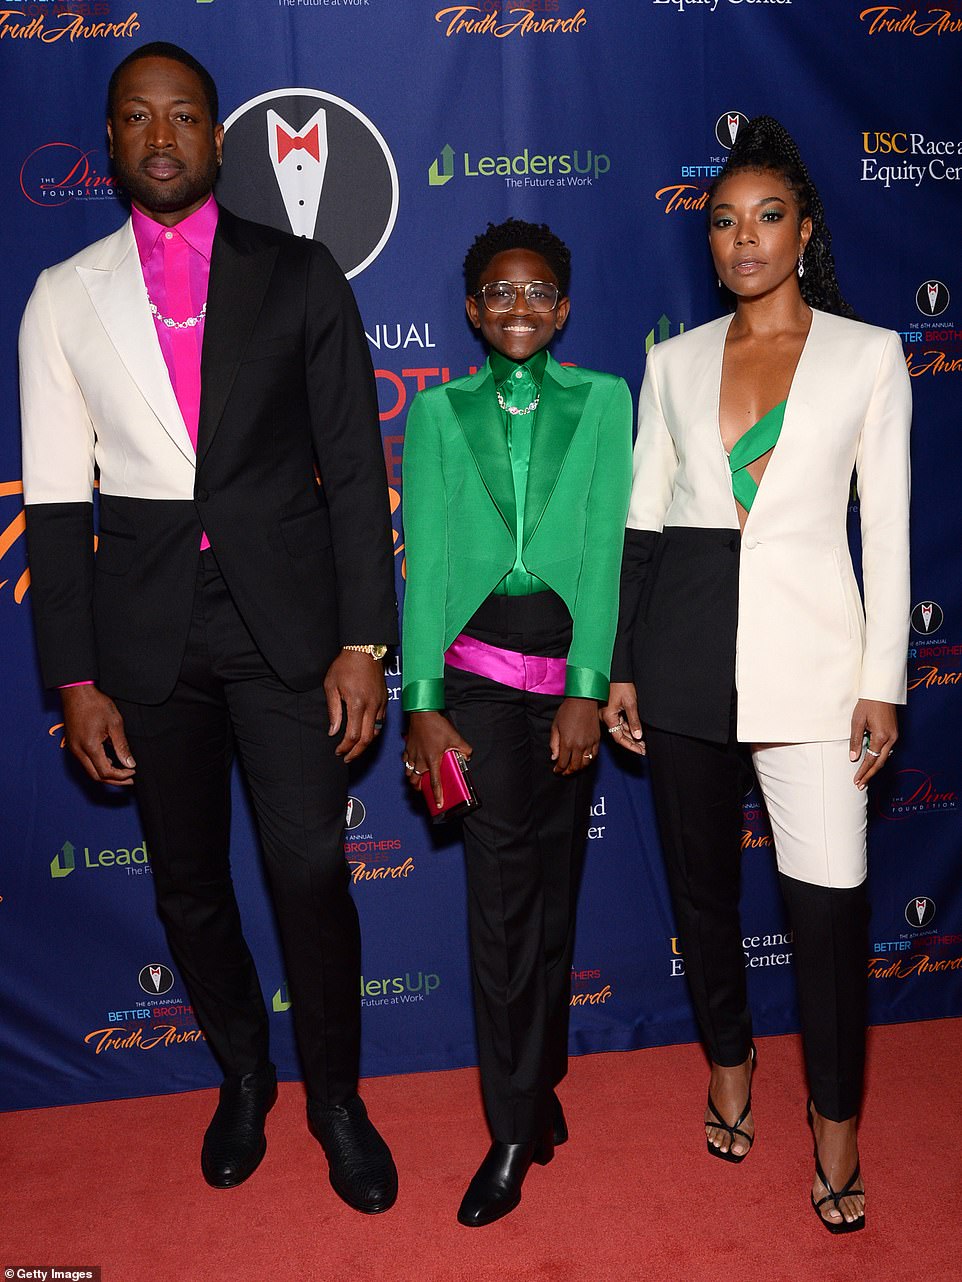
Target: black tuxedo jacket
column 288, row 479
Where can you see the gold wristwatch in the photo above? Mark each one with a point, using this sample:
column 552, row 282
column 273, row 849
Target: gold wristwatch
column 375, row 651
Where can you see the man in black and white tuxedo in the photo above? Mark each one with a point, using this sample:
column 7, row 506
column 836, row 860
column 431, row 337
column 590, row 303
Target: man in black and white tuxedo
column 241, row 598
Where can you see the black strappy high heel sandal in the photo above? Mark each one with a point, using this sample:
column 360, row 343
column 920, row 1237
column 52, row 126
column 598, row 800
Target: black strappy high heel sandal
column 848, row 1190
column 735, row 1129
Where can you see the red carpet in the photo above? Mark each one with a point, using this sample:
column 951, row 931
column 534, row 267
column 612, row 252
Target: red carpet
column 633, row 1195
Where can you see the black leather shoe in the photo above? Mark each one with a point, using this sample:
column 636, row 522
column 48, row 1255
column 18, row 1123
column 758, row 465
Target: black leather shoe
column 362, row 1171
column 496, row 1188
column 234, row 1143
column 559, row 1127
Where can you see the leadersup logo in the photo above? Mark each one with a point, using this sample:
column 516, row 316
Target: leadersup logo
column 399, row 990
column 134, row 859
column 58, row 172
column 579, row 168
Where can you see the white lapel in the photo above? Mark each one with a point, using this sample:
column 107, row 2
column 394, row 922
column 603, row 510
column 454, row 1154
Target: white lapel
column 116, row 290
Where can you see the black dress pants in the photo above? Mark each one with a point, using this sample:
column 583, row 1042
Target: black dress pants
column 524, row 850
column 226, row 701
column 698, row 787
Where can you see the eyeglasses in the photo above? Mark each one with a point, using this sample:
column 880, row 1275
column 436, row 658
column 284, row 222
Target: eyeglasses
column 500, row 295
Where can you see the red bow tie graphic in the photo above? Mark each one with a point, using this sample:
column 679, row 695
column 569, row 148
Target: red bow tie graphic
column 286, row 144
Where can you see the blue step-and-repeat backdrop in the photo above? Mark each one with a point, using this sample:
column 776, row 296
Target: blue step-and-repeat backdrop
column 414, row 122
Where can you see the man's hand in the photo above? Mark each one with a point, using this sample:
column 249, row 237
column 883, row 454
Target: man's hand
column 620, row 716
column 880, row 722
column 430, row 734
column 355, row 682
column 90, row 721
column 574, row 735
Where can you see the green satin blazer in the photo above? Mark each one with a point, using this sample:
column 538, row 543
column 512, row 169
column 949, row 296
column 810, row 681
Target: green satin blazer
column 460, row 520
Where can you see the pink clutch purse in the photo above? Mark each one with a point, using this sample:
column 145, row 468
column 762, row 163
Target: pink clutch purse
column 458, row 792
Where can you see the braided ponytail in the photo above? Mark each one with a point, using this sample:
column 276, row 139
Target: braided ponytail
column 764, row 144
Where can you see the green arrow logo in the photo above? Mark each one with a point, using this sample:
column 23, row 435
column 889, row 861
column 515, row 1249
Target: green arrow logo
column 63, row 863
column 282, row 1001
column 664, row 331
column 442, row 169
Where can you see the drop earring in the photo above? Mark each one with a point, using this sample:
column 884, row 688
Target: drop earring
column 801, row 265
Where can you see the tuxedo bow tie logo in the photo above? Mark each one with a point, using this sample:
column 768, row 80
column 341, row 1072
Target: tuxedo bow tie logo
column 325, row 172
column 932, row 298
column 156, row 979
column 299, row 157
column 727, row 126
column 920, row 911
column 286, row 144
column 927, row 617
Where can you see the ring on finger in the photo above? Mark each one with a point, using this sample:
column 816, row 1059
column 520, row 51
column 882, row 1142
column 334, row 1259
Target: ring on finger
column 589, row 756
column 409, row 766
column 615, row 729
column 871, row 753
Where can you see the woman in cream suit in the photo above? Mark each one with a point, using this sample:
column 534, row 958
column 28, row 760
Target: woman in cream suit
column 750, row 430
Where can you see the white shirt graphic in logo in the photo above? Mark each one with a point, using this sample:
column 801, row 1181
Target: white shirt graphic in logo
column 299, row 158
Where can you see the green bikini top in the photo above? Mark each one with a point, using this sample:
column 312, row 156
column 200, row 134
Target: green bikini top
column 758, row 440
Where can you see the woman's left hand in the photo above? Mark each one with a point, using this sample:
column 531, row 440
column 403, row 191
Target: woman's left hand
column 879, row 721
column 575, row 735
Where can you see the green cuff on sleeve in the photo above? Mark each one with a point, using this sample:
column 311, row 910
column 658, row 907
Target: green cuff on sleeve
column 423, row 696
column 585, row 683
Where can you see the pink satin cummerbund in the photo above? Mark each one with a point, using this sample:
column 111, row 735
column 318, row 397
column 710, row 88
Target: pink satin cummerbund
column 508, row 667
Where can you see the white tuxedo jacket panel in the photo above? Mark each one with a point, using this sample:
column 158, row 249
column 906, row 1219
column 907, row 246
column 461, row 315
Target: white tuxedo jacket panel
column 94, row 385
column 805, row 649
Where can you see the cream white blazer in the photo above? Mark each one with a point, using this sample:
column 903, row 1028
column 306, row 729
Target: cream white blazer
column 806, row 647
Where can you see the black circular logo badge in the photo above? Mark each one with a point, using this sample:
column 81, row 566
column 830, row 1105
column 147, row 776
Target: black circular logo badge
column 932, row 298
column 927, row 617
column 919, row 912
column 156, row 980
column 356, row 813
column 307, row 162
column 727, row 126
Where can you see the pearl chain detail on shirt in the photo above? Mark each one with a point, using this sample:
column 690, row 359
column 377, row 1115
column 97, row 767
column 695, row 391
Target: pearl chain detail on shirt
column 169, row 321
column 514, row 409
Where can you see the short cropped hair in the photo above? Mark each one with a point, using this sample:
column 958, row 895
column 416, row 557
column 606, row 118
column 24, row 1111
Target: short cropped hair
column 163, row 49
column 514, row 233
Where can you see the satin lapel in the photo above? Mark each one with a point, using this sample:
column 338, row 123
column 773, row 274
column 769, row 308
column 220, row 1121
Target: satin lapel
column 119, row 298
column 483, row 426
column 559, row 413
column 239, row 277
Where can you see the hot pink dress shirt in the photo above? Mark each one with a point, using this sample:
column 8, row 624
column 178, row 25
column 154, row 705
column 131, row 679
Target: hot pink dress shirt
column 176, row 266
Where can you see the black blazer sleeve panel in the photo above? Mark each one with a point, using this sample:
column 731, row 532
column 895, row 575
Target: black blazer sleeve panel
column 345, row 429
column 679, row 583
column 60, row 553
